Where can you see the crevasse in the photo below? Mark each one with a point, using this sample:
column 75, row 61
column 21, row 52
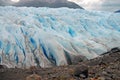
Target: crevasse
column 47, row 37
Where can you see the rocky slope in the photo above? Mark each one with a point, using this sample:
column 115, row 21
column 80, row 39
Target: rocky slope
column 104, row 67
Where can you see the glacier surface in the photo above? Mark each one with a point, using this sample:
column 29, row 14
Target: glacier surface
column 47, row 37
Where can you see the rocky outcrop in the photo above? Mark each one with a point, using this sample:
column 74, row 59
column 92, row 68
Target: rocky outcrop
column 80, row 71
column 3, row 67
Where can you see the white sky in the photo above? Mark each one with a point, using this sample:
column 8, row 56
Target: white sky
column 15, row 0
column 106, row 5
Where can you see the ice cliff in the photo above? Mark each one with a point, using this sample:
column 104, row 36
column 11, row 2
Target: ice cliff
column 48, row 37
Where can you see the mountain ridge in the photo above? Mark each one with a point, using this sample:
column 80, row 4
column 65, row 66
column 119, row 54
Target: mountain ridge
column 41, row 3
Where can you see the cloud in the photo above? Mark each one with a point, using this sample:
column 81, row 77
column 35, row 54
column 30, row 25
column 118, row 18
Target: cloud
column 105, row 5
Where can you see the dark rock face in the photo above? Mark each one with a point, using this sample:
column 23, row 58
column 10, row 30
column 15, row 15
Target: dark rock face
column 3, row 67
column 116, row 49
column 81, row 71
column 117, row 11
column 113, row 50
column 77, row 59
column 74, row 59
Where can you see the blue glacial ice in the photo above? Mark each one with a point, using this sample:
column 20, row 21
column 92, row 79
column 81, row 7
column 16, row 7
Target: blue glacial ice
column 47, row 37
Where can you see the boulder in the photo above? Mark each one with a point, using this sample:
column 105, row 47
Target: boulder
column 80, row 71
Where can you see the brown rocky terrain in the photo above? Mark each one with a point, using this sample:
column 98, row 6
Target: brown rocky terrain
column 104, row 67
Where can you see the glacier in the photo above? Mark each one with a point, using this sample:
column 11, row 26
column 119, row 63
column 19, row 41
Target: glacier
column 49, row 37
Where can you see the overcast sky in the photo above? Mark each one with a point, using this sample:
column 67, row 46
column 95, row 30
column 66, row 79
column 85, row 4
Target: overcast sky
column 103, row 5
